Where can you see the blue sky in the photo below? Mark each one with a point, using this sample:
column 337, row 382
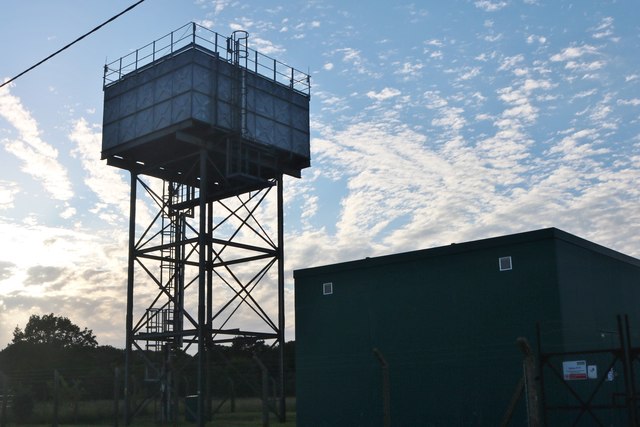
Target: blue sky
column 432, row 122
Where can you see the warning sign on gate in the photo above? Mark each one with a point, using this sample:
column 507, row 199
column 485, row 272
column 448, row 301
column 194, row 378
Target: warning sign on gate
column 574, row 370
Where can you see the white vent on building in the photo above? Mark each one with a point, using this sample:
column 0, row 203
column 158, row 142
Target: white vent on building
column 505, row 263
column 327, row 288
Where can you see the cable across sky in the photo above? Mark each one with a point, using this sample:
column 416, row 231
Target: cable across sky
column 113, row 18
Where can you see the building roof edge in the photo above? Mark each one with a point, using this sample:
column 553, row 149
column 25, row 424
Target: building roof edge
column 473, row 245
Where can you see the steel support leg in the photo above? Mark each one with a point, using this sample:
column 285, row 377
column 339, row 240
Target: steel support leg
column 129, row 318
column 281, row 305
column 202, row 286
column 209, row 322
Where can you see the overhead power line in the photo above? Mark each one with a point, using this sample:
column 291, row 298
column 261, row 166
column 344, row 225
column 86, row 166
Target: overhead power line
column 113, row 18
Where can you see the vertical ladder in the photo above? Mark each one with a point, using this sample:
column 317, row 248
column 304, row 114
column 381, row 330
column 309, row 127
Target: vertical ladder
column 240, row 55
column 160, row 320
column 167, row 255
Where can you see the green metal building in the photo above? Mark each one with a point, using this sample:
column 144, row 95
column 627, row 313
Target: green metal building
column 445, row 322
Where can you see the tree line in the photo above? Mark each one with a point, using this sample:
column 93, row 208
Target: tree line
column 51, row 343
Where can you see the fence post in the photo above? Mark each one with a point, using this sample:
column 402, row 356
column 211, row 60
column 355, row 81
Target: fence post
column 4, row 389
column 386, row 388
column 116, row 396
column 265, row 391
column 530, row 382
column 56, row 397
column 517, row 394
column 627, row 364
column 633, row 397
column 232, row 391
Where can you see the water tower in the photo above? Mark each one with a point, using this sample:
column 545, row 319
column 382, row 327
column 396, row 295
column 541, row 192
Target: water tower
column 207, row 127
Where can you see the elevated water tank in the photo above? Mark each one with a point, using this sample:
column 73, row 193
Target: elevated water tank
column 195, row 89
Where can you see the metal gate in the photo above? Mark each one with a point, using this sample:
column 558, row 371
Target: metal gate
column 590, row 386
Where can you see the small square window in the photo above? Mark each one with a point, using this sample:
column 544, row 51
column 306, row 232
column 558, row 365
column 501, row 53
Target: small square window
column 505, row 263
column 327, row 288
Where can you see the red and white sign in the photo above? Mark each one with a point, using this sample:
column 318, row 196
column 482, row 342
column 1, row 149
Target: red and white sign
column 574, row 370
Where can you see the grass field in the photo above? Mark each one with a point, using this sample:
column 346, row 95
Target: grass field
column 100, row 413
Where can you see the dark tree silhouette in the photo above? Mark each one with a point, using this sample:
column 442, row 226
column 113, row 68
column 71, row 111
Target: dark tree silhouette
column 54, row 330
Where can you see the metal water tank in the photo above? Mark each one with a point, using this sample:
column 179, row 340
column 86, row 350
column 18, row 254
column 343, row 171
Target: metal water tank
column 195, row 89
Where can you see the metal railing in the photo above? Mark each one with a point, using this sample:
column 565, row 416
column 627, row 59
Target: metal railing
column 196, row 36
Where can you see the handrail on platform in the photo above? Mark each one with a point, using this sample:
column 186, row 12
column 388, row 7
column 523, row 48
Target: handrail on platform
column 193, row 35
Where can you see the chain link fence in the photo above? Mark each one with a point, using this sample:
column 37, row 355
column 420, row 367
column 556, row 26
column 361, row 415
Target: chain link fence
column 93, row 393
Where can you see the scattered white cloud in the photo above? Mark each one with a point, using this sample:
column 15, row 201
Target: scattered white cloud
column 309, row 207
column 573, row 52
column 493, row 37
column 331, row 102
column 416, row 13
column 220, row 5
column 384, row 94
column 80, row 267
column 469, row 73
column 434, row 42
column 450, row 118
column 600, row 113
column 584, row 66
column 8, row 191
column 328, row 66
column 69, row 212
column 434, row 100
column 584, row 94
column 409, row 69
column 572, row 148
column 510, row 62
column 518, row 98
column 243, row 24
column 39, row 159
column 207, row 23
column 354, row 57
column 634, row 102
column 489, row 6
column 265, row 47
column 107, row 183
column 605, row 29
column 350, row 55
column 536, row 39
column 475, row 191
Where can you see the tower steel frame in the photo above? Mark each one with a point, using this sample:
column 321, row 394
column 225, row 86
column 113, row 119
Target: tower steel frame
column 207, row 128
column 201, row 264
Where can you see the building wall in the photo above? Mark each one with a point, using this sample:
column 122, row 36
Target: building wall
column 596, row 285
column 446, row 321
